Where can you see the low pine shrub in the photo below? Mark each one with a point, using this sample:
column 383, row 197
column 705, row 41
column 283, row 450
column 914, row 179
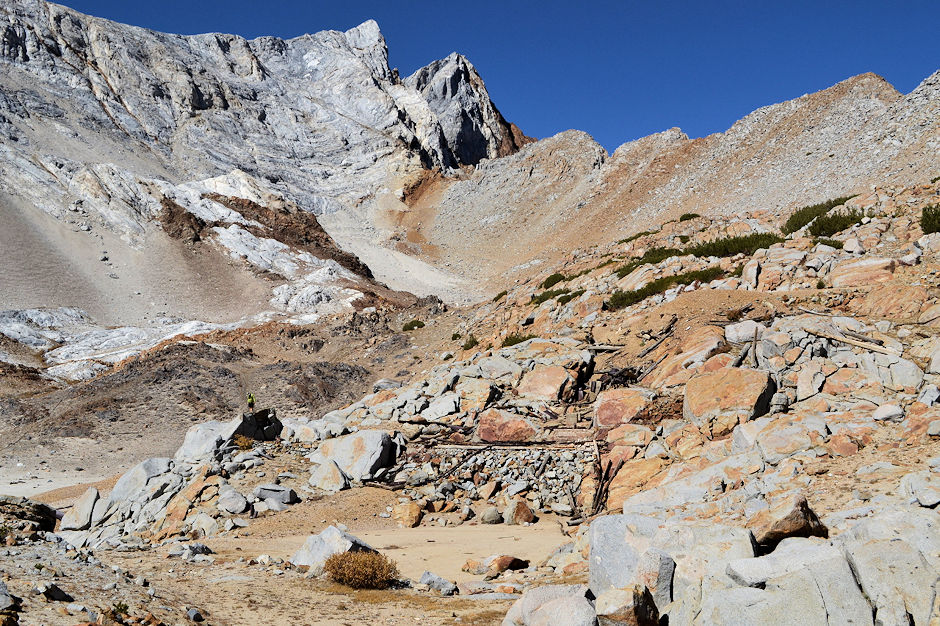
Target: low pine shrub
column 930, row 219
column 832, row 223
column 803, row 216
column 623, row 299
column 362, row 570
column 412, row 325
column 653, row 255
column 730, row 246
column 568, row 297
column 832, row 243
column 513, row 339
column 500, row 295
column 470, row 343
column 685, row 217
column 636, row 236
column 545, row 296
column 552, row 280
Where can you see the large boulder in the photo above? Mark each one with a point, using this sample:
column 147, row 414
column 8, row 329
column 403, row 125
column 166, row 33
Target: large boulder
column 360, row 455
column 895, row 560
column 135, row 479
column 231, row 501
column 718, row 401
column 498, row 426
column 806, row 577
column 7, row 602
column 545, row 382
column 789, row 517
column 408, row 514
column 863, row 272
column 278, row 493
column 565, row 611
column 318, row 548
column 518, row 512
column 633, row 606
column 614, row 407
column 523, row 609
column 79, row 516
column 612, row 560
column 330, row 477
column 922, row 487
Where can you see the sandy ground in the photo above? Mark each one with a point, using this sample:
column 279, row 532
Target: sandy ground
column 59, row 265
column 233, row 591
column 354, row 230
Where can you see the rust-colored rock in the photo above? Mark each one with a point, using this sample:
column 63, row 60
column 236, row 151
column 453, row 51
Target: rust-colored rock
column 862, row 272
column 719, row 401
column 496, row 425
column 518, row 512
column 614, row 407
column 474, row 393
column 488, row 489
column 632, row 477
column 791, row 517
column 696, row 348
column 546, row 382
column 407, row 515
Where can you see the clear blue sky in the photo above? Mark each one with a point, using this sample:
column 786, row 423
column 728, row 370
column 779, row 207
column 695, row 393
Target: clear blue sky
column 618, row 70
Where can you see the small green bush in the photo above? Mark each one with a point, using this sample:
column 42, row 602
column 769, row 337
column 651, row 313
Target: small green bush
column 684, row 238
column 470, row 343
column 653, row 255
column 412, row 325
column 738, row 271
column 545, row 296
column 623, row 299
column 832, row 223
column 934, row 179
column 362, row 570
column 930, row 219
column 568, row 297
column 820, row 284
column 513, row 339
column 832, row 243
column 685, row 217
column 455, row 337
column 803, row 216
column 552, row 280
column 730, row 246
column 500, row 295
column 636, row 236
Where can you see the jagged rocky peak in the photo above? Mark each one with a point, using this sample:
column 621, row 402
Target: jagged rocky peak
column 470, row 122
column 323, row 99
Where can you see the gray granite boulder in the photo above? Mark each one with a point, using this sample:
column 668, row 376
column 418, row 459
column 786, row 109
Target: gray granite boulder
column 79, row 516
column 318, row 548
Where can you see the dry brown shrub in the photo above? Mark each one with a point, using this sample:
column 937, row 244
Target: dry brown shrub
column 243, row 443
column 362, row 570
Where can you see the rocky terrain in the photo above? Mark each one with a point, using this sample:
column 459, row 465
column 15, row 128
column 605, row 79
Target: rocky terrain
column 656, row 386
column 751, row 434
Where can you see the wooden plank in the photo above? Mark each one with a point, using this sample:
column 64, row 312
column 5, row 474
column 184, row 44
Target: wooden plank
column 854, row 342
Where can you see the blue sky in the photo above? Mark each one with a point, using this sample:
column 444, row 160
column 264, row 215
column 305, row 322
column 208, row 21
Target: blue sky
column 617, row 70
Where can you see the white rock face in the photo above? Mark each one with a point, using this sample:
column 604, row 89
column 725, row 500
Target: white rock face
column 100, row 122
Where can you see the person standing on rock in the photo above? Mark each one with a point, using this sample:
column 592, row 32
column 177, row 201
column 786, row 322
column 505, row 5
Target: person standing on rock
column 251, row 403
